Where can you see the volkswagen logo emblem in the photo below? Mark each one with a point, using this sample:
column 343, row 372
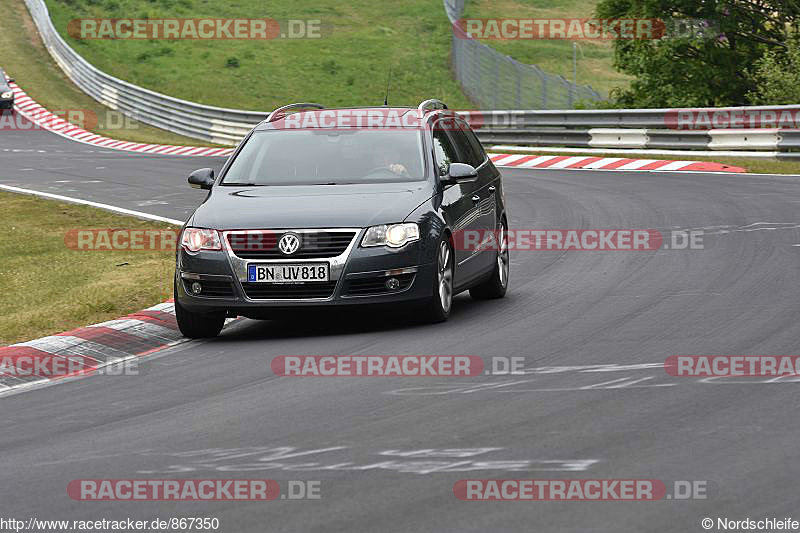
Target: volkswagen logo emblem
column 289, row 244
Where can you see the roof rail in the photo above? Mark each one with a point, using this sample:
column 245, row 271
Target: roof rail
column 299, row 105
column 431, row 104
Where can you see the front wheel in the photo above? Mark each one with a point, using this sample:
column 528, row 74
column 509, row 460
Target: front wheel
column 438, row 308
column 198, row 325
column 497, row 284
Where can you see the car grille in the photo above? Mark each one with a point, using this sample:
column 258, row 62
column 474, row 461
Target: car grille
column 377, row 285
column 315, row 244
column 211, row 289
column 279, row 291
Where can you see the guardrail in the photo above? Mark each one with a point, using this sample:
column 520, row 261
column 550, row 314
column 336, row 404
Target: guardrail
column 212, row 124
column 620, row 129
column 761, row 139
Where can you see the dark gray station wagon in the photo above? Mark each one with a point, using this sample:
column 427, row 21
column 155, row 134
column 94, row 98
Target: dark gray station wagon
column 341, row 207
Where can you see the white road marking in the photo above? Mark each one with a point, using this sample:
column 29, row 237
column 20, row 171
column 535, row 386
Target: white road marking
column 107, row 207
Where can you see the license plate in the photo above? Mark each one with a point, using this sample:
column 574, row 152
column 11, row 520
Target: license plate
column 287, row 273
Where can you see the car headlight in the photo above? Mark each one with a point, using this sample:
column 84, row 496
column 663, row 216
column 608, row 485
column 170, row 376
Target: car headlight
column 392, row 235
column 196, row 239
column 7, row 95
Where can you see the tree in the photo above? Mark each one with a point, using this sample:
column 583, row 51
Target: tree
column 777, row 76
column 709, row 69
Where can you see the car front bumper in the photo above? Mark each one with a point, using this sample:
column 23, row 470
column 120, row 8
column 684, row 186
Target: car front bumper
column 358, row 276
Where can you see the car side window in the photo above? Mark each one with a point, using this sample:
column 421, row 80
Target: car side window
column 477, row 147
column 468, row 152
column 443, row 148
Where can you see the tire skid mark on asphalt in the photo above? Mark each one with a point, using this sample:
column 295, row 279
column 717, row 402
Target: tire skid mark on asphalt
column 335, row 459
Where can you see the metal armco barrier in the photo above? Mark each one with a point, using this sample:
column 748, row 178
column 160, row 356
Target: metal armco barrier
column 762, row 139
column 677, row 140
column 789, row 140
column 596, row 128
column 212, row 124
column 532, row 137
column 771, row 140
column 617, row 138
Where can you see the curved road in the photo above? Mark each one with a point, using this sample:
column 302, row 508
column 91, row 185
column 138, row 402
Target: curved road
column 388, row 451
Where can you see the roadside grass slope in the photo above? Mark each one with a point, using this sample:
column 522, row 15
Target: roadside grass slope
column 49, row 288
column 24, row 57
column 347, row 67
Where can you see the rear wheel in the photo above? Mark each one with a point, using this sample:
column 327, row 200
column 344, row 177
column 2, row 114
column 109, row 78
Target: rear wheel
column 497, row 284
column 198, row 325
column 438, row 308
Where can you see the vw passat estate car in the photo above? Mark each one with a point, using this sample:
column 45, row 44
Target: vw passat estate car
column 342, row 207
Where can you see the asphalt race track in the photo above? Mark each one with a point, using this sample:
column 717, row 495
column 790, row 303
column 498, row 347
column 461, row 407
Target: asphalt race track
column 387, row 451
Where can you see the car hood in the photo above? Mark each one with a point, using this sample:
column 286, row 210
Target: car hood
column 310, row 206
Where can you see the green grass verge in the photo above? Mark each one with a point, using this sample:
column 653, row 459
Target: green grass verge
column 25, row 58
column 595, row 57
column 348, row 67
column 753, row 165
column 49, row 288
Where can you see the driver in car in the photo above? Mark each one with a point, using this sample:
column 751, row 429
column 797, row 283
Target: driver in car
column 384, row 159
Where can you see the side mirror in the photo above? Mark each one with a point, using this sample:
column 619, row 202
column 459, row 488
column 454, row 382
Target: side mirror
column 460, row 173
column 11, row 80
column 202, row 178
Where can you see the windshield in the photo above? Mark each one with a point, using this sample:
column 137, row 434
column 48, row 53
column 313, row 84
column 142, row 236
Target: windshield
column 328, row 157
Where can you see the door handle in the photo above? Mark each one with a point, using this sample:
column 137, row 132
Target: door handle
column 476, row 198
column 492, row 188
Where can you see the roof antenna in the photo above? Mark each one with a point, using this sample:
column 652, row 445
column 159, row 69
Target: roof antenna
column 388, row 79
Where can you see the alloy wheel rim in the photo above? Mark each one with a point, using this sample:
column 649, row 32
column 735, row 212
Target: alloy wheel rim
column 445, row 277
column 503, row 257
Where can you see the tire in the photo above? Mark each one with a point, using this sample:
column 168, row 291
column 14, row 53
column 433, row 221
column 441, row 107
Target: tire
column 438, row 308
column 198, row 325
column 497, row 284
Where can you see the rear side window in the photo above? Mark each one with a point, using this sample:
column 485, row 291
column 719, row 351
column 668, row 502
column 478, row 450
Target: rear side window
column 477, row 147
column 467, row 145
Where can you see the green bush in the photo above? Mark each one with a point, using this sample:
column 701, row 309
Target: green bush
column 777, row 76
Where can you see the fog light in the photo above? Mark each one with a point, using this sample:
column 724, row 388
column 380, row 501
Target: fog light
column 196, row 287
column 392, row 284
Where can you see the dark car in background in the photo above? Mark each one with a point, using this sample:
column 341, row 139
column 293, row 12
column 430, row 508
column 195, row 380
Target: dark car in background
column 6, row 94
column 324, row 214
